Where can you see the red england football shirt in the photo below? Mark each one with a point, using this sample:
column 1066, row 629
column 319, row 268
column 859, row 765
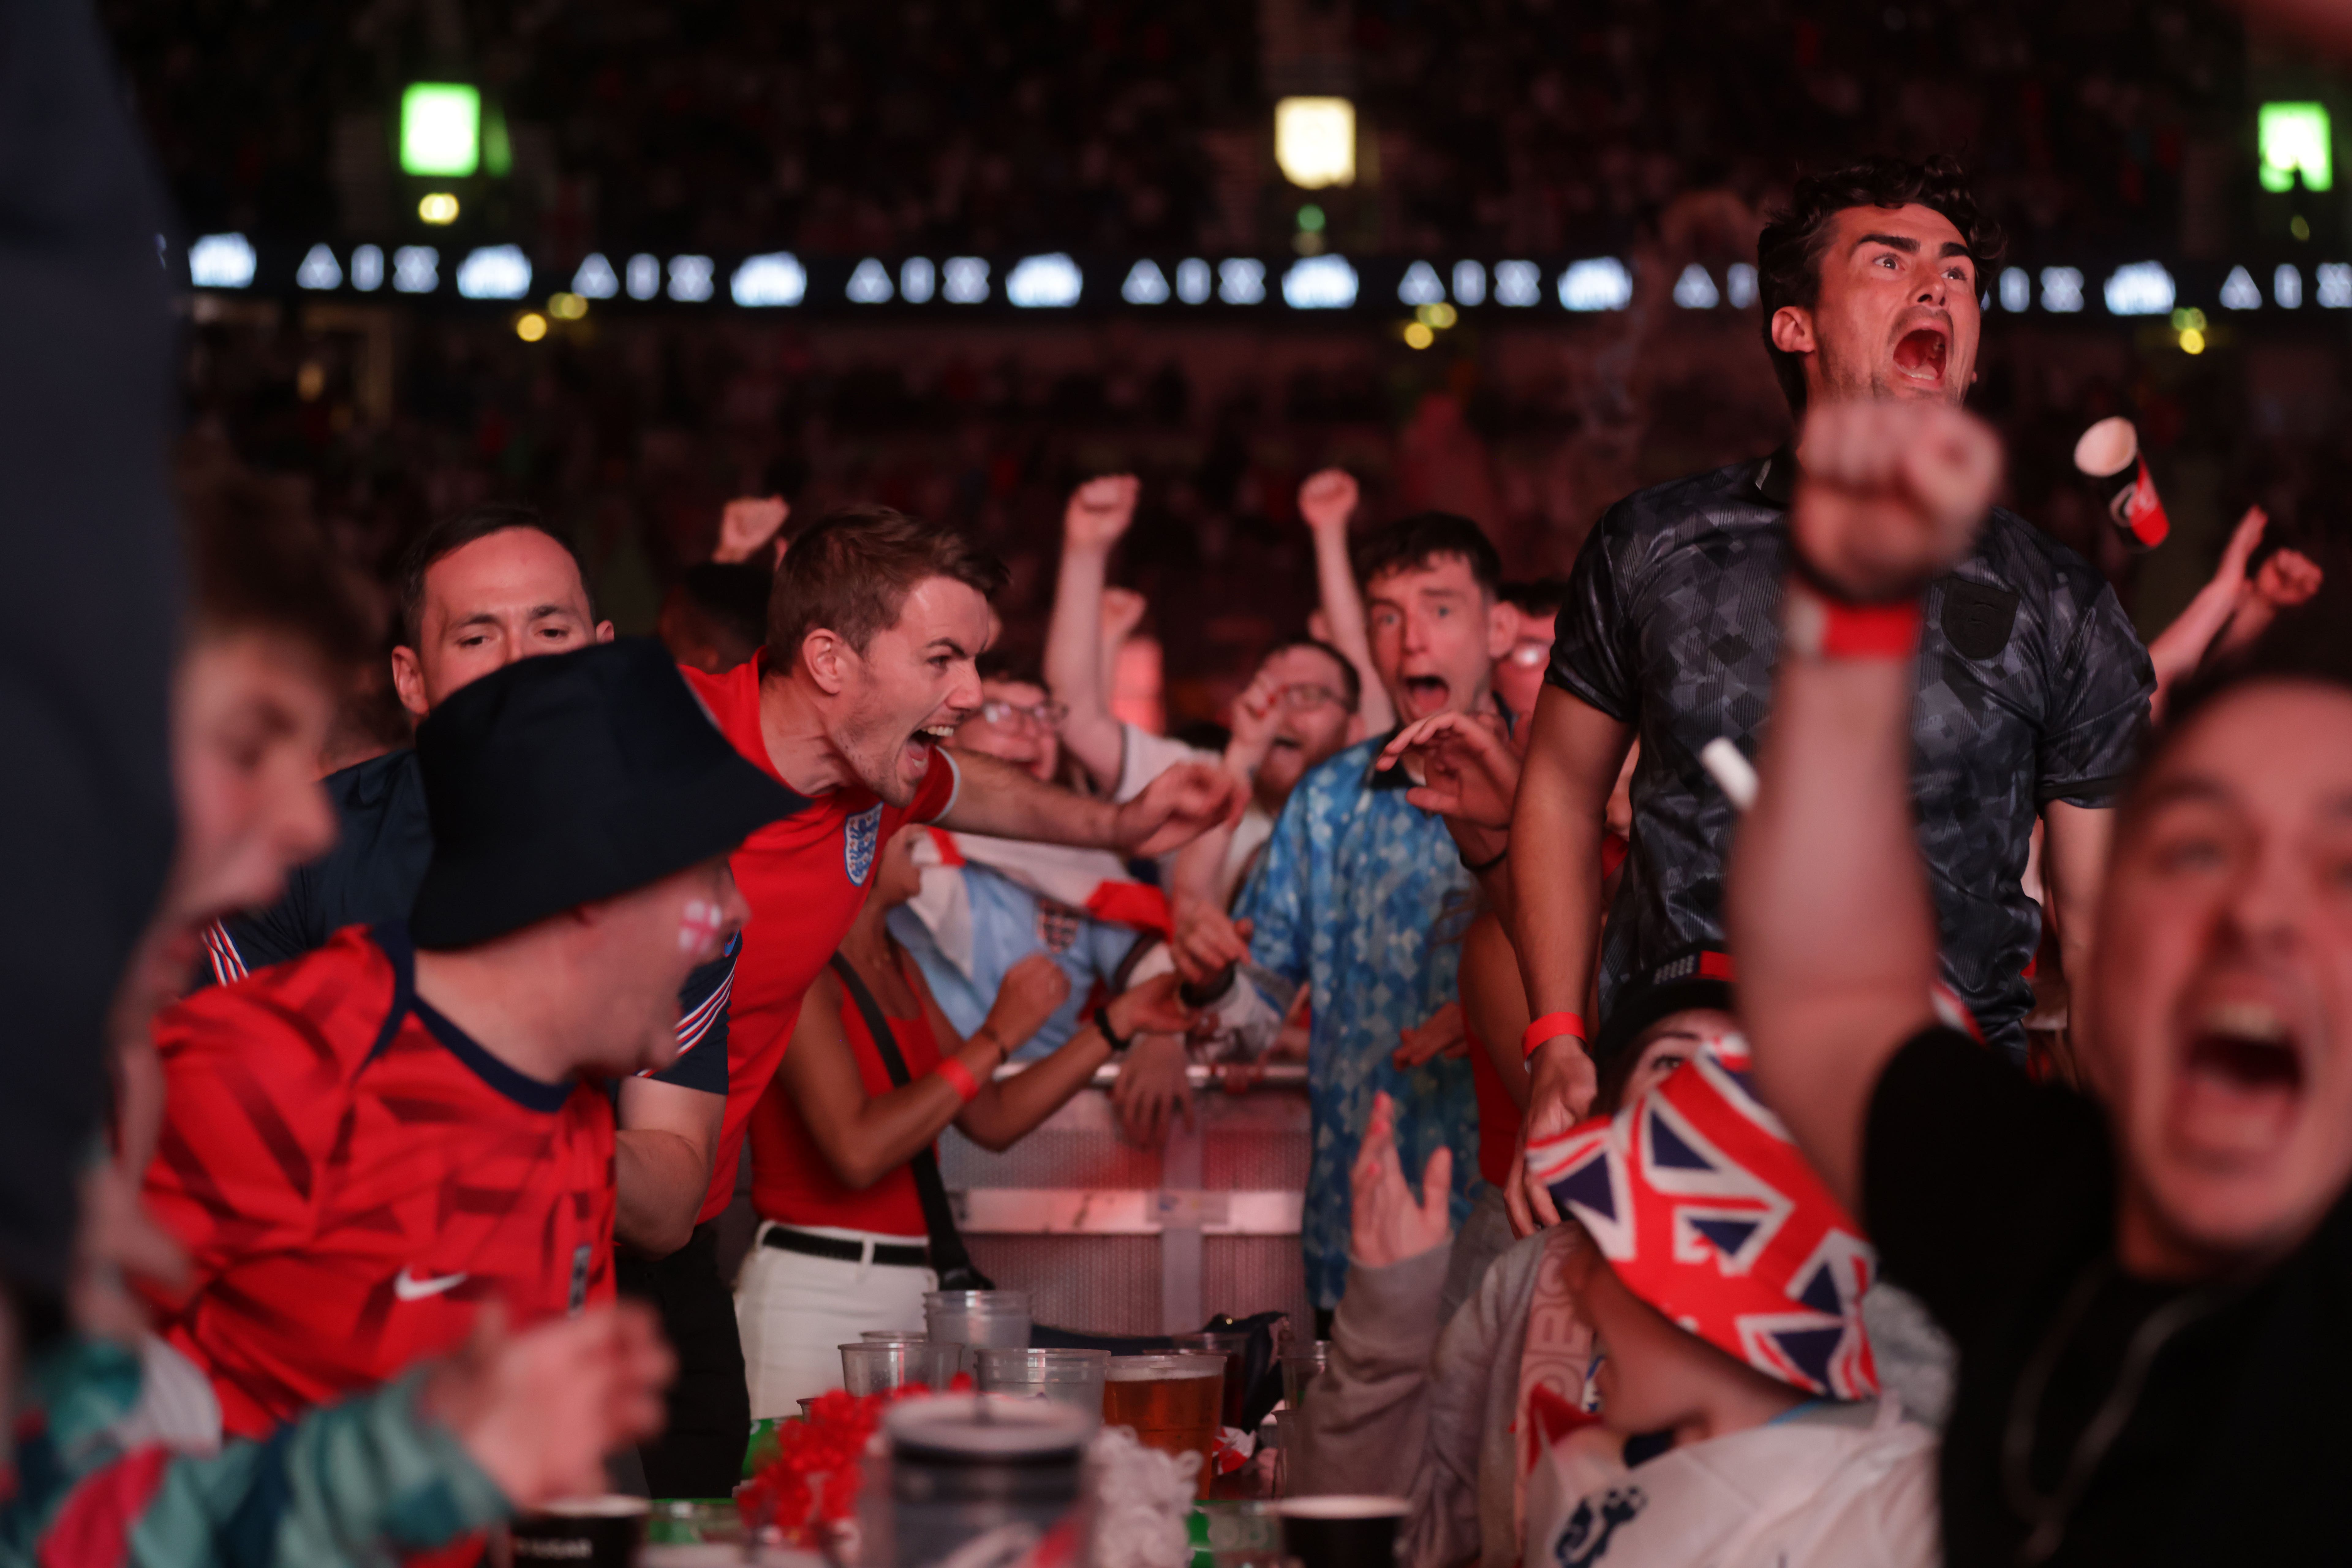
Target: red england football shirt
column 804, row 877
column 352, row 1177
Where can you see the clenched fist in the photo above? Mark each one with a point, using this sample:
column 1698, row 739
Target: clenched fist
column 1099, row 511
column 1891, row 494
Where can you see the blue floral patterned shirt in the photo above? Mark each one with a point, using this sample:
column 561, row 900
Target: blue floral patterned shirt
column 1363, row 898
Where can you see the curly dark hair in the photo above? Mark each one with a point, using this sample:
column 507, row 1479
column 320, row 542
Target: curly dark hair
column 1789, row 252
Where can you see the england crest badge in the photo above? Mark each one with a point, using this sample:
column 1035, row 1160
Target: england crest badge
column 857, row 843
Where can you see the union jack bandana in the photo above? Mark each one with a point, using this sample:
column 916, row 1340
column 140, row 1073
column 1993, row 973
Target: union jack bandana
column 1708, row 1212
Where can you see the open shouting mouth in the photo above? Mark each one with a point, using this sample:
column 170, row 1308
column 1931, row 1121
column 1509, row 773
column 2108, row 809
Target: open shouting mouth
column 1921, row 353
column 2242, row 1082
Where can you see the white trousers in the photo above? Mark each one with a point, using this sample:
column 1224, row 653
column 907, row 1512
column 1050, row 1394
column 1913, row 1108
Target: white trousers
column 795, row 1311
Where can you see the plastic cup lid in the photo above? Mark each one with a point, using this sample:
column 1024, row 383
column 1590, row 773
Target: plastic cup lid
column 613, row 1505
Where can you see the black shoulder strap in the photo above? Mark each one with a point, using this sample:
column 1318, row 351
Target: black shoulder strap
column 950, row 1261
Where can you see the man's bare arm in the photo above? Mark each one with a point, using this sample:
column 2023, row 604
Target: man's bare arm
column 1557, row 820
column 1327, row 500
column 661, row 1162
column 1099, row 513
column 1007, row 802
column 1826, row 900
column 2073, row 863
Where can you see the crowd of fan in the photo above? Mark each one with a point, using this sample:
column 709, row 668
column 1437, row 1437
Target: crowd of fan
column 1677, row 925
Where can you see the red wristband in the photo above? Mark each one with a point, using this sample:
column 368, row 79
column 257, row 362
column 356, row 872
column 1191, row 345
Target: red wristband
column 958, row 1077
column 1550, row 1027
column 1821, row 627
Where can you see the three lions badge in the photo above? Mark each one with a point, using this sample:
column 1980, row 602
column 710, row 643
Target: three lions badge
column 858, row 843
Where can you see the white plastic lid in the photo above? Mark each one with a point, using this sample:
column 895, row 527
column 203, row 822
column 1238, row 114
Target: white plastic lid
column 986, row 1425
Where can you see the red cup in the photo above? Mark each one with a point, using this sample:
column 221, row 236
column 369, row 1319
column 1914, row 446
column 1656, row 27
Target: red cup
column 2109, row 452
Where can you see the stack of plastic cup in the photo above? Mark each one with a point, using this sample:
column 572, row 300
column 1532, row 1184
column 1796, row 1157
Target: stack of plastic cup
column 978, row 1318
column 1073, row 1377
column 870, row 1368
column 888, row 1336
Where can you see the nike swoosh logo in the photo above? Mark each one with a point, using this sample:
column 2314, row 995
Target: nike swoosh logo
column 410, row 1288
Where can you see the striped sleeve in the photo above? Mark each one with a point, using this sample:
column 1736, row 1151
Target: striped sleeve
column 701, row 1061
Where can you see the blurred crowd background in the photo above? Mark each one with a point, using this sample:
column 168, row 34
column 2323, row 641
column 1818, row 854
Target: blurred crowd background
column 2097, row 132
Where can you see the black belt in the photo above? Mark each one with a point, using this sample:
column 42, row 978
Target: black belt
column 914, row 1255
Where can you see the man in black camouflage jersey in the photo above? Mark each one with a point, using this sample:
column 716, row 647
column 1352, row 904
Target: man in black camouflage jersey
column 2033, row 688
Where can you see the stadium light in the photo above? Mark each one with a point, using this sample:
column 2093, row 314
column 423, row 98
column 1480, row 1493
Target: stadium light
column 2335, row 284
column 440, row 129
column 917, row 279
column 2237, row 292
column 775, row 278
column 1518, row 284
column 319, row 269
column 1420, row 286
column 1322, row 283
column 1469, row 282
column 1600, row 283
column 437, row 207
column 964, row 280
column 2062, row 289
column 1192, row 281
column 870, row 284
column 2294, row 140
column 221, row 262
column 1314, row 142
column 644, row 277
column 416, row 269
column 2287, row 287
column 595, row 279
column 367, row 268
column 2016, row 290
column 1145, row 285
column 690, row 278
column 495, row 272
column 1044, row 282
column 1241, row 280
column 1695, row 291
column 2143, row 289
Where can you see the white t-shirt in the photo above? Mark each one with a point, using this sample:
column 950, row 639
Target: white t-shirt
column 1144, row 756
column 1826, row 1487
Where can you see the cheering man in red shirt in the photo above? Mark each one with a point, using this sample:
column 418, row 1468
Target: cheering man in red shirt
column 873, row 629
column 364, row 1144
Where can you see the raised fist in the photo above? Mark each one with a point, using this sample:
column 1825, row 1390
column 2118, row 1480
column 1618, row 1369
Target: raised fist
column 1099, row 510
column 1891, row 494
column 1328, row 500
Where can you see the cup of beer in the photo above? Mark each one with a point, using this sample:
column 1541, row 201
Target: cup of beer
column 1172, row 1403
column 1234, row 1347
column 1300, row 1368
column 1343, row 1532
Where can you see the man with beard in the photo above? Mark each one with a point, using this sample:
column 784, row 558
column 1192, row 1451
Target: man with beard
column 2032, row 686
column 875, row 628
column 2146, row 1285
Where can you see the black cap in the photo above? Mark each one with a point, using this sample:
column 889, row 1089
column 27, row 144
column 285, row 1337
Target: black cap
column 557, row 780
column 1698, row 976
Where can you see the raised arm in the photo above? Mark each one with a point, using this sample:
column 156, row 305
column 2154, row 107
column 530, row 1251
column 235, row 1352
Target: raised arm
column 1098, row 515
column 1327, row 500
column 1007, row 802
column 1826, row 902
column 865, row 1137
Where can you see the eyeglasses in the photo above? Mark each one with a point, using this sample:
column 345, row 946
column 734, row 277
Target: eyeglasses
column 1047, row 716
column 1301, row 694
column 1527, row 655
